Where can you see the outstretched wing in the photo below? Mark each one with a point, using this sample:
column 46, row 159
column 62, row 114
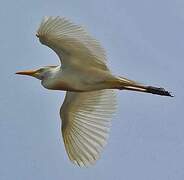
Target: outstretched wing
column 86, row 119
column 71, row 42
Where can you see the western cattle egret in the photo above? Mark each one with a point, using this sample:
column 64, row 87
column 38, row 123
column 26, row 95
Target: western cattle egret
column 90, row 87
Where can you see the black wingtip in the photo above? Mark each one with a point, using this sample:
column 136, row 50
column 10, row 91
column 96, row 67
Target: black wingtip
column 158, row 91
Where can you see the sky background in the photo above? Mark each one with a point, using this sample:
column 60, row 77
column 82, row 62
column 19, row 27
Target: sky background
column 144, row 41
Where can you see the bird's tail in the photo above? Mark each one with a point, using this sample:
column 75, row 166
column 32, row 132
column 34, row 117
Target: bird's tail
column 126, row 84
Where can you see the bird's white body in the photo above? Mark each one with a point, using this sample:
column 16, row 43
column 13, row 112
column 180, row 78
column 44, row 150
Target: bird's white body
column 79, row 79
column 90, row 99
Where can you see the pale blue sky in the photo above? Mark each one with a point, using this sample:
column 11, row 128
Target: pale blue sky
column 144, row 41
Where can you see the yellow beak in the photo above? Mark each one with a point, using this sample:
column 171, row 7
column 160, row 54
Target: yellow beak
column 29, row 72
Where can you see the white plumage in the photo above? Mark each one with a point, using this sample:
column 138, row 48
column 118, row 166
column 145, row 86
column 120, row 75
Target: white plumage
column 86, row 122
column 90, row 99
column 85, row 116
column 66, row 38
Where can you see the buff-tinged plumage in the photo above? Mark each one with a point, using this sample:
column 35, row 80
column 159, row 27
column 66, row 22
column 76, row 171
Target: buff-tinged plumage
column 90, row 98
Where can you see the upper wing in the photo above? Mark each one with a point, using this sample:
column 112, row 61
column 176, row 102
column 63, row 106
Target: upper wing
column 85, row 124
column 71, row 42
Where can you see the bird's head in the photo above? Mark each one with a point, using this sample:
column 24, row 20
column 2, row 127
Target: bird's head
column 41, row 73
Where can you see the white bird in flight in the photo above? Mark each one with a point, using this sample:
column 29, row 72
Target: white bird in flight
column 90, row 99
